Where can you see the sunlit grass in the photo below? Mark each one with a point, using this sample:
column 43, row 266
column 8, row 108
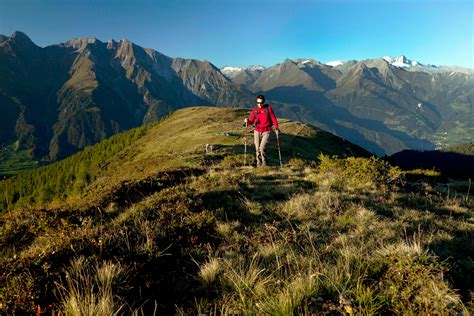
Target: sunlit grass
column 292, row 240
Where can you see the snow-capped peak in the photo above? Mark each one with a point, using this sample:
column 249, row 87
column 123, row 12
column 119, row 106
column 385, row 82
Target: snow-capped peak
column 402, row 61
column 232, row 71
column 255, row 67
column 334, row 63
column 302, row 61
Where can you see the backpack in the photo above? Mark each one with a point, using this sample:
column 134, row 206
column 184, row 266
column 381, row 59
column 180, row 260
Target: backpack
column 268, row 114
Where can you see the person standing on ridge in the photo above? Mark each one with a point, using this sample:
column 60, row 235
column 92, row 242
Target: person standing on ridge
column 263, row 119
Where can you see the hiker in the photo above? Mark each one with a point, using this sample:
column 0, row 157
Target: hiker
column 263, row 119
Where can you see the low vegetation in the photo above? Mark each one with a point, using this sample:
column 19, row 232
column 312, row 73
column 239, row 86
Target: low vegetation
column 465, row 148
column 165, row 228
column 15, row 161
column 312, row 237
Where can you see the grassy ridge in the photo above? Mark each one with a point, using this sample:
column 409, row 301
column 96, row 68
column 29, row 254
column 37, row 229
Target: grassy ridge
column 177, row 141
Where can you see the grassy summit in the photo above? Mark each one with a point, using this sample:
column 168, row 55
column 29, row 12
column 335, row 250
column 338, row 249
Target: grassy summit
column 176, row 142
column 161, row 226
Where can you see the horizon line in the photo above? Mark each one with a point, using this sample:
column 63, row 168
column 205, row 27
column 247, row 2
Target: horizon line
column 242, row 66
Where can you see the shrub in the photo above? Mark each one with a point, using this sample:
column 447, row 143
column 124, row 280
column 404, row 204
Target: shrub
column 361, row 170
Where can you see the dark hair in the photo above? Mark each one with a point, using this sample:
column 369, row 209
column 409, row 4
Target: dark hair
column 261, row 97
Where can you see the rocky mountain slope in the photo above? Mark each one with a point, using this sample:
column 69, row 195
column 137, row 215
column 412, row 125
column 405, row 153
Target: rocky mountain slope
column 384, row 105
column 61, row 98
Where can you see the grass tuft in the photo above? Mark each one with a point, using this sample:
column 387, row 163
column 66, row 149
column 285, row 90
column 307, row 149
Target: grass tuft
column 209, row 270
column 88, row 290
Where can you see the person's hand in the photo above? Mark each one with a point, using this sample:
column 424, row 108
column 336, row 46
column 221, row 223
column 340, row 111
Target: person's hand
column 277, row 130
column 246, row 120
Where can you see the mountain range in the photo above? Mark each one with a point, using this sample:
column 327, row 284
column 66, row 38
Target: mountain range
column 61, row 98
column 384, row 104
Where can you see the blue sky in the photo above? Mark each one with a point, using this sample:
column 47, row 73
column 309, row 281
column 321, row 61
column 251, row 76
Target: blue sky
column 231, row 32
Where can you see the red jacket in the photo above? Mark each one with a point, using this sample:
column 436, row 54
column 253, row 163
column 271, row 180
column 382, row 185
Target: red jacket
column 263, row 118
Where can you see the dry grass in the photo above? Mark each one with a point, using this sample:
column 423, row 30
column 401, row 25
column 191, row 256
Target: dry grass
column 89, row 290
column 210, row 269
column 257, row 241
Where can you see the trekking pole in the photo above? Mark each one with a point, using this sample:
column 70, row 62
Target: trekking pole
column 278, row 145
column 245, row 146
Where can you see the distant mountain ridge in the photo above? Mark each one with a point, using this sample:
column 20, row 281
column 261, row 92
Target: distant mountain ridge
column 412, row 65
column 61, row 98
column 398, row 61
column 384, row 104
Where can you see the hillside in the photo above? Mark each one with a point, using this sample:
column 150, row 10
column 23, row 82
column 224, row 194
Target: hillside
column 455, row 161
column 155, row 225
column 465, row 148
column 178, row 141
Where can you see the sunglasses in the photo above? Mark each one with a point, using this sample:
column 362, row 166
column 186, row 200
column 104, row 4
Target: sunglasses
column 259, row 102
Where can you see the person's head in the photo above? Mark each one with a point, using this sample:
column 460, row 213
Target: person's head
column 260, row 100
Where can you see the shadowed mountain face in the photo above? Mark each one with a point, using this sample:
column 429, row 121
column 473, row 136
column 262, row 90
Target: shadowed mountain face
column 58, row 99
column 373, row 103
column 455, row 161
